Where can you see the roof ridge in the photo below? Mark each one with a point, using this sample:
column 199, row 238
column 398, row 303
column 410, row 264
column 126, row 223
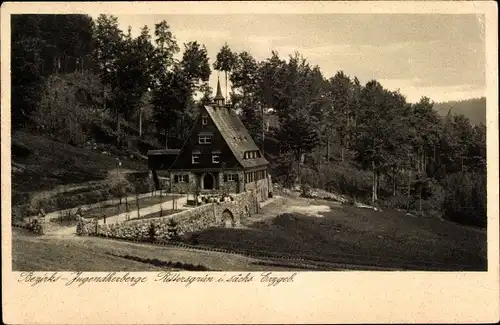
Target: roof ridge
column 235, row 135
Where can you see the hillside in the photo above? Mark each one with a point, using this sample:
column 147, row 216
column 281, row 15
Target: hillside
column 474, row 109
column 39, row 164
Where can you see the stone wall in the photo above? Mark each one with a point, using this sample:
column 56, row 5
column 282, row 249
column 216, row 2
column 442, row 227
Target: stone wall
column 262, row 188
column 222, row 214
column 181, row 187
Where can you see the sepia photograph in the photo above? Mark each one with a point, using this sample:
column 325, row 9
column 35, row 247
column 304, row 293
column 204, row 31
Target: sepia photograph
column 249, row 142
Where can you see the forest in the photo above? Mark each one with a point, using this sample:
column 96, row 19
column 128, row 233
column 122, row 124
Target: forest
column 333, row 132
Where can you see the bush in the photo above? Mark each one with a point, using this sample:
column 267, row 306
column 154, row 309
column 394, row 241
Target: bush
column 68, row 106
column 399, row 201
column 342, row 178
column 173, row 233
column 152, row 232
column 36, row 226
column 465, row 198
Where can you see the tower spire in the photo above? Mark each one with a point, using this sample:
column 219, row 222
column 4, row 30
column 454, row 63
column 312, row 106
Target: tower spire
column 219, row 99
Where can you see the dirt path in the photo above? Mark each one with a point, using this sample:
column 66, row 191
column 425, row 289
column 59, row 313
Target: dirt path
column 54, row 229
column 131, row 215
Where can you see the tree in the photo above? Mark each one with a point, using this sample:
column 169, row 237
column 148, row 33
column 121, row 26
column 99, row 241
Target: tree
column 225, row 61
column 426, row 127
column 245, row 98
column 195, row 66
column 339, row 117
column 381, row 133
column 42, row 45
column 173, row 96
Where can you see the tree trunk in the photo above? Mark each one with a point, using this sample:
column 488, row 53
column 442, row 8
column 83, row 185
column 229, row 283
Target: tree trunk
column 393, row 181
column 137, row 203
column 225, row 72
column 374, row 183
column 328, row 149
column 409, row 189
column 118, row 140
column 298, row 169
column 420, row 201
column 140, row 122
column 263, row 130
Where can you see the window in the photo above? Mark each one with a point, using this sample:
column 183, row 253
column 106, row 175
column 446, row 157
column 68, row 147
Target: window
column 232, row 177
column 215, row 158
column 195, row 158
column 204, row 120
column 205, row 139
column 181, row 178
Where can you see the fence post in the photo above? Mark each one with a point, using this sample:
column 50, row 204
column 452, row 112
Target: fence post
column 137, row 202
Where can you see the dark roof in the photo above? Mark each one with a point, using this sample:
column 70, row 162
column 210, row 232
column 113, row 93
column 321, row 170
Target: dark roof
column 163, row 152
column 235, row 134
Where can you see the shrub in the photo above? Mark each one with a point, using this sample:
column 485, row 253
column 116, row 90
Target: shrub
column 152, row 232
column 399, row 201
column 465, row 198
column 342, row 178
column 36, row 225
column 172, row 230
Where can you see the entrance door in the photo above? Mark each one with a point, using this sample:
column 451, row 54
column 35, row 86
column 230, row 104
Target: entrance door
column 208, row 181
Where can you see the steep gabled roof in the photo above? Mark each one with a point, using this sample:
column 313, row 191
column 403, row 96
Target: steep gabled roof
column 235, row 134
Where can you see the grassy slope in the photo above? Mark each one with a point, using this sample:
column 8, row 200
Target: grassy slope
column 40, row 164
column 32, row 253
column 353, row 235
column 29, row 253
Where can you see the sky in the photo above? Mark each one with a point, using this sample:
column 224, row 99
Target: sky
column 441, row 56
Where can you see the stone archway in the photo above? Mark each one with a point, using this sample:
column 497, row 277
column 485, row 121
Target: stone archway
column 227, row 219
column 208, row 181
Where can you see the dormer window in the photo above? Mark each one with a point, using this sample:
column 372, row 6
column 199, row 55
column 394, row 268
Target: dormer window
column 204, row 139
column 204, row 120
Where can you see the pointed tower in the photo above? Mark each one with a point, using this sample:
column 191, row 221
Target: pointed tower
column 219, row 99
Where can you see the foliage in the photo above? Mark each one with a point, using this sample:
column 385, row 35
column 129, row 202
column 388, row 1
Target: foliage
column 51, row 116
column 172, row 230
column 225, row 61
column 152, row 232
column 465, row 199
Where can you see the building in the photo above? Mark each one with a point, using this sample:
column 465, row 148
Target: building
column 220, row 155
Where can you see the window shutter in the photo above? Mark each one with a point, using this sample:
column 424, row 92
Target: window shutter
column 187, row 178
column 225, row 177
